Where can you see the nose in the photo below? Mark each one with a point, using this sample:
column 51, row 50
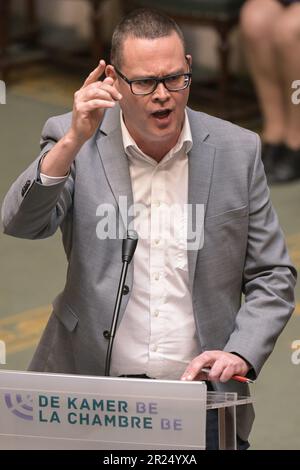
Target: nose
column 161, row 93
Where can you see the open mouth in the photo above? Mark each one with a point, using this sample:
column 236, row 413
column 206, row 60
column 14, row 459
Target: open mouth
column 162, row 114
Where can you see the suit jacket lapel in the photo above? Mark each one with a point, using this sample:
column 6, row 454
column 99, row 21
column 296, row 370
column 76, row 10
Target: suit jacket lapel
column 201, row 159
column 114, row 160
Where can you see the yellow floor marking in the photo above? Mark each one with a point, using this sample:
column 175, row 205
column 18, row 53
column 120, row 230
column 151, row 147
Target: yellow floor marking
column 293, row 243
column 23, row 330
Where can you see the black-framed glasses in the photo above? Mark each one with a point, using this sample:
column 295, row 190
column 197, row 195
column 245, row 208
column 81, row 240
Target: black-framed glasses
column 147, row 85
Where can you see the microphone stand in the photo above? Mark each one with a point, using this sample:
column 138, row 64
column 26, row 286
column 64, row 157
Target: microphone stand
column 128, row 249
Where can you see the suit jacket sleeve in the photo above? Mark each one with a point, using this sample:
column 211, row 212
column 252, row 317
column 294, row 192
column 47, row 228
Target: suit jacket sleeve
column 269, row 278
column 30, row 209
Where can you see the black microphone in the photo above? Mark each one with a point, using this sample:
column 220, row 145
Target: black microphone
column 129, row 246
column 128, row 249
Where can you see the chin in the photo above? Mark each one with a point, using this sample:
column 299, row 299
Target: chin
column 160, row 136
column 168, row 131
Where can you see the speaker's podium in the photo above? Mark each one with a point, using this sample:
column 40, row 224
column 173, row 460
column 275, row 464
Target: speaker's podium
column 56, row 411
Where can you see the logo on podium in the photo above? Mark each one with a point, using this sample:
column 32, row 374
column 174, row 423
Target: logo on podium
column 21, row 406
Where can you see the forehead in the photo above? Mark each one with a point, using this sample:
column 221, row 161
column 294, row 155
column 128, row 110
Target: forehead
column 142, row 56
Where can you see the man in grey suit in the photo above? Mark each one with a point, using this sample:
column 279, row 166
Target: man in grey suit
column 132, row 138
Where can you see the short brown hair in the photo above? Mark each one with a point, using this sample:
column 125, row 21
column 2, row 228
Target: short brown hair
column 144, row 23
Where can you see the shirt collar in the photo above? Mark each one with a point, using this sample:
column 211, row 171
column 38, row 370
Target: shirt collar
column 183, row 144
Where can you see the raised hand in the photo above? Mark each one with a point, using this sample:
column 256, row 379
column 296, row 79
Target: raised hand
column 90, row 102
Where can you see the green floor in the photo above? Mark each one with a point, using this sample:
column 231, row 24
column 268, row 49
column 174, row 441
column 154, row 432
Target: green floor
column 32, row 273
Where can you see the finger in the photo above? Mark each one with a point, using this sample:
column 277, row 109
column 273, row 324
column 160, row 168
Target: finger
column 112, row 90
column 217, row 369
column 227, row 373
column 95, row 74
column 92, row 105
column 98, row 83
column 194, row 368
column 189, row 373
column 95, row 94
column 97, row 90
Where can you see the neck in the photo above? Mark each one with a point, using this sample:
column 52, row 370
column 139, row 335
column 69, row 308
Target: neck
column 157, row 150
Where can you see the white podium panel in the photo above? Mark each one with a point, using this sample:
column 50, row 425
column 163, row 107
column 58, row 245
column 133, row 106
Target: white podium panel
column 56, row 411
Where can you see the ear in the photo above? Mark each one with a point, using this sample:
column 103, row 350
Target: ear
column 189, row 59
column 110, row 72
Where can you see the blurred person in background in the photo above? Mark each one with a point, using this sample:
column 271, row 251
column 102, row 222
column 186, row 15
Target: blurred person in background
column 271, row 32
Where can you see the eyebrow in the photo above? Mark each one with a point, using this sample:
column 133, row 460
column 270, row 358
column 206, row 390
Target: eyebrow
column 155, row 77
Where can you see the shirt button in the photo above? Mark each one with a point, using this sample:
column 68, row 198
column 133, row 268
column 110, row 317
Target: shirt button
column 156, row 276
column 157, row 203
column 154, row 348
column 156, row 313
column 156, row 242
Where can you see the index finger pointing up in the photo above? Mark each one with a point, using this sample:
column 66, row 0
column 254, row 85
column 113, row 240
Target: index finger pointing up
column 95, row 74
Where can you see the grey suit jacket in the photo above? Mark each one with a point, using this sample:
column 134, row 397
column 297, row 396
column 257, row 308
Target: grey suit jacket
column 244, row 249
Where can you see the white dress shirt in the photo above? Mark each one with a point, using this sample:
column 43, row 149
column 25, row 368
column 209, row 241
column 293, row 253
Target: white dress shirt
column 157, row 334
